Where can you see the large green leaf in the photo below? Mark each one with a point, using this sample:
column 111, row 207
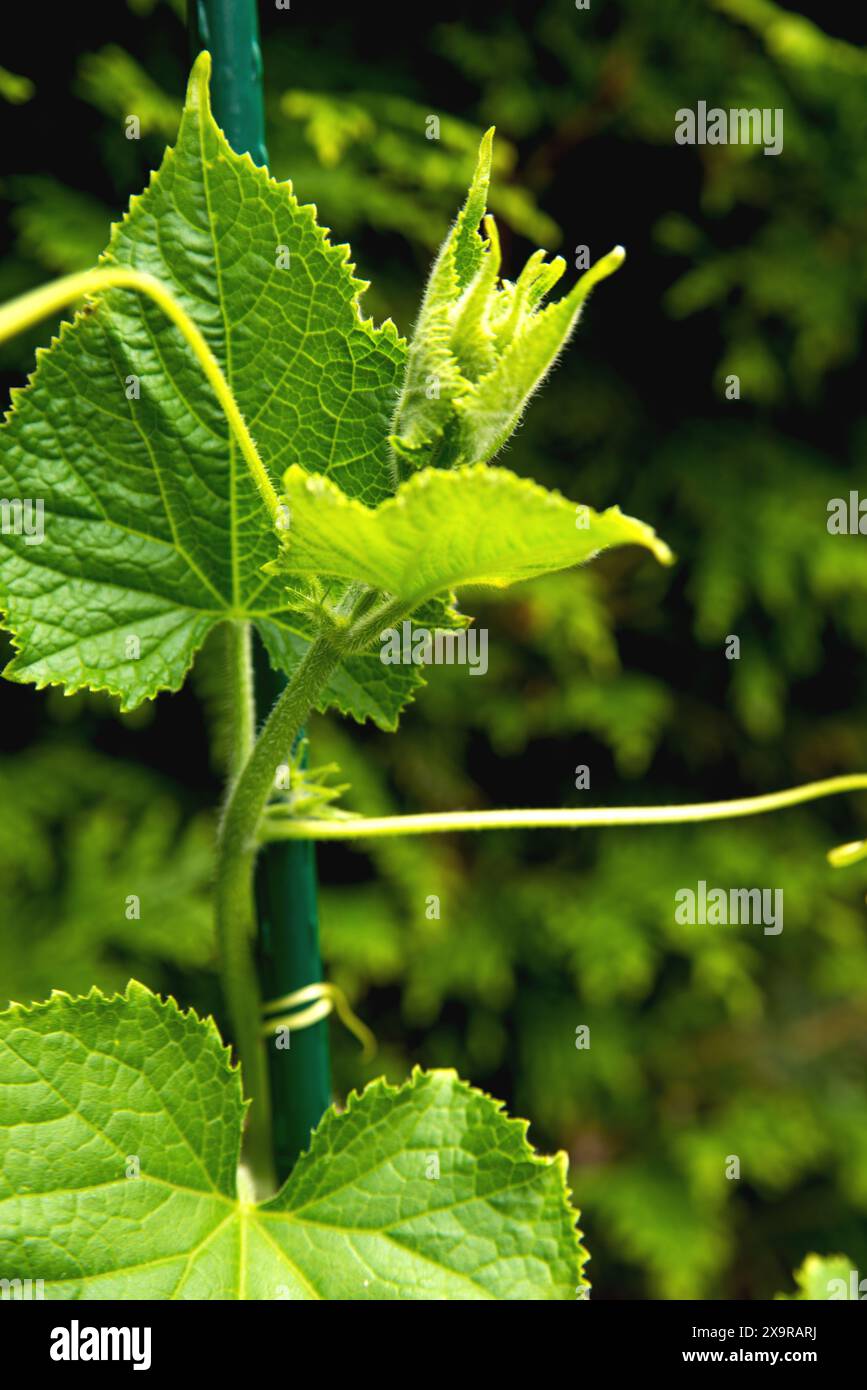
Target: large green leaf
column 153, row 529
column 423, row 1192
column 444, row 529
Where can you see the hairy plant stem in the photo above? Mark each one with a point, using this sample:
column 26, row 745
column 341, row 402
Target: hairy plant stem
column 239, row 661
column 237, row 847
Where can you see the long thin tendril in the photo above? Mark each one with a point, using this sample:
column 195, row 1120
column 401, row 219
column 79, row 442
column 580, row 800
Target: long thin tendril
column 279, row 826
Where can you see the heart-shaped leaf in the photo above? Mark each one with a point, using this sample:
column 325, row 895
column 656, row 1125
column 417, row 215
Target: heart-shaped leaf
column 120, row 1130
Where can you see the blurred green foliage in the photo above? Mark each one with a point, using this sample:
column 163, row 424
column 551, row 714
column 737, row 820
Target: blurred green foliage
column 822, row 1277
column 705, row 1042
column 103, row 876
column 368, row 166
column 15, row 89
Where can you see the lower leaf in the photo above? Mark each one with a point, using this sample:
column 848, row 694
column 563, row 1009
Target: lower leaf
column 120, row 1133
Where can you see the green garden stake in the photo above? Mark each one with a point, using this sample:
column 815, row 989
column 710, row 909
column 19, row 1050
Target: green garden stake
column 288, row 947
column 289, row 959
column 229, row 29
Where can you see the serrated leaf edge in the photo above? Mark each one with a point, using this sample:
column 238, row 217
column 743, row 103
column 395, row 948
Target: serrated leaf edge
column 135, row 992
column 519, row 1127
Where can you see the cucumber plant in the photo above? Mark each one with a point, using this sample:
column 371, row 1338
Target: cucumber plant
column 221, row 438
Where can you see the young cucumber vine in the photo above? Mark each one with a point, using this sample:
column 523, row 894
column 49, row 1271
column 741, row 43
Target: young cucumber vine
column 247, row 821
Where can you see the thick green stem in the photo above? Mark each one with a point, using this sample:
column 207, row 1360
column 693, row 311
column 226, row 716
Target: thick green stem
column 239, row 660
column 236, row 911
column 253, row 787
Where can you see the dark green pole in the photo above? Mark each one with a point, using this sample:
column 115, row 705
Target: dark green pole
column 229, row 29
column 288, row 945
column 289, row 959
